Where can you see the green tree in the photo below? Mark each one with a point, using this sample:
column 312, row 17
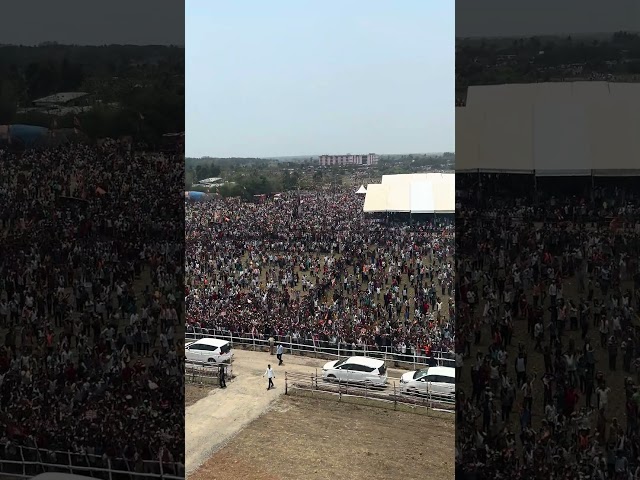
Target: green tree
column 199, row 173
column 42, row 79
column 230, row 190
column 290, row 180
column 8, row 103
column 188, row 178
column 71, row 75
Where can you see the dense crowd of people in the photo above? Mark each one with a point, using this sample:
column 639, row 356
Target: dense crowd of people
column 312, row 267
column 548, row 344
column 91, row 304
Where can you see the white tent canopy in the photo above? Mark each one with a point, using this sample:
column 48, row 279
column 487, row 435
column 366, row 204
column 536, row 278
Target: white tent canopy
column 362, row 189
column 570, row 128
column 412, row 193
column 376, row 198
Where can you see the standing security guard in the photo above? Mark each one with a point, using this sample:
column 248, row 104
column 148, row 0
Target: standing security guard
column 222, row 376
column 279, row 352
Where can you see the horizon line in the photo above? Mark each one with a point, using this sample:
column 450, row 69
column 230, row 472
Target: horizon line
column 317, row 155
column 56, row 44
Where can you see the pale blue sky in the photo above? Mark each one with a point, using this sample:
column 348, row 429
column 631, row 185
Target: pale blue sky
column 301, row 77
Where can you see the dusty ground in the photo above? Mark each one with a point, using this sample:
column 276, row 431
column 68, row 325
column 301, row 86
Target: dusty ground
column 615, row 379
column 319, row 439
column 222, row 414
column 193, row 393
column 218, row 415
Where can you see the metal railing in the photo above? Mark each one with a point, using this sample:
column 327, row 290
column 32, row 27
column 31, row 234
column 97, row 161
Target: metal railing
column 387, row 394
column 321, row 349
column 18, row 461
column 205, row 373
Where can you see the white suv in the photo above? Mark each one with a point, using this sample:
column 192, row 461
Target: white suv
column 436, row 381
column 209, row 350
column 365, row 370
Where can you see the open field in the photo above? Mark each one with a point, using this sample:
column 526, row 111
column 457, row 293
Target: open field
column 246, row 432
column 227, row 412
column 319, row 439
column 535, row 361
column 215, row 416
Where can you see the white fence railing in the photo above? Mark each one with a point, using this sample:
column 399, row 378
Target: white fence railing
column 328, row 350
column 389, row 394
column 17, row 461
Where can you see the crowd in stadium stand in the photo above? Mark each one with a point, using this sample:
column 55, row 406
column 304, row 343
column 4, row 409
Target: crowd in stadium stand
column 548, row 344
column 90, row 305
column 311, row 268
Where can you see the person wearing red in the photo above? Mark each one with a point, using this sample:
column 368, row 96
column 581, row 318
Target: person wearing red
column 571, row 398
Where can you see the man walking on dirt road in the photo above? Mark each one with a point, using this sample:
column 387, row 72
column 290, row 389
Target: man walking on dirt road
column 279, row 352
column 270, row 375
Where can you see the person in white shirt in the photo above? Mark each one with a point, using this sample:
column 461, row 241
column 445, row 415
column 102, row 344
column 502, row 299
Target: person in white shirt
column 279, row 352
column 270, row 375
column 538, row 334
column 602, row 396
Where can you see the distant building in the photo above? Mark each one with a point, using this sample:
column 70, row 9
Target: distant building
column 348, row 159
column 211, row 180
column 60, row 104
column 67, row 99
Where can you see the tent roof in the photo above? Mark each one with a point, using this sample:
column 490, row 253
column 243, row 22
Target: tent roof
column 362, row 189
column 414, row 193
column 562, row 128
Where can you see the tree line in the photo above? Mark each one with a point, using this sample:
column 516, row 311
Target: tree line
column 247, row 178
column 243, row 180
column 135, row 90
column 539, row 58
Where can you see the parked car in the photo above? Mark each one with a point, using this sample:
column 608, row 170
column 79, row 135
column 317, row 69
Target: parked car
column 209, row 350
column 436, row 381
column 370, row 371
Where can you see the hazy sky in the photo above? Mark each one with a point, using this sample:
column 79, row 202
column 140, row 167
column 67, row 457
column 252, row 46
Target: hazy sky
column 85, row 22
column 300, row 77
column 486, row 18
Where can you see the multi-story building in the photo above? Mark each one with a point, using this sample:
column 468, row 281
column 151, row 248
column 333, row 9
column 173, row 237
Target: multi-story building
column 348, row 159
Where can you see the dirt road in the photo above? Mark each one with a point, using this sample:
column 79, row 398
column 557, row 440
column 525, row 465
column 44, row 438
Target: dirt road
column 211, row 422
column 291, row 443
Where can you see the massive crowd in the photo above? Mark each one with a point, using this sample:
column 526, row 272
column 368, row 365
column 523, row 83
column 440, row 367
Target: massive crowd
column 548, row 342
column 91, row 304
column 313, row 268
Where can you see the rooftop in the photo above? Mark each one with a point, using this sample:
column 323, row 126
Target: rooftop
column 62, row 97
column 56, row 110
